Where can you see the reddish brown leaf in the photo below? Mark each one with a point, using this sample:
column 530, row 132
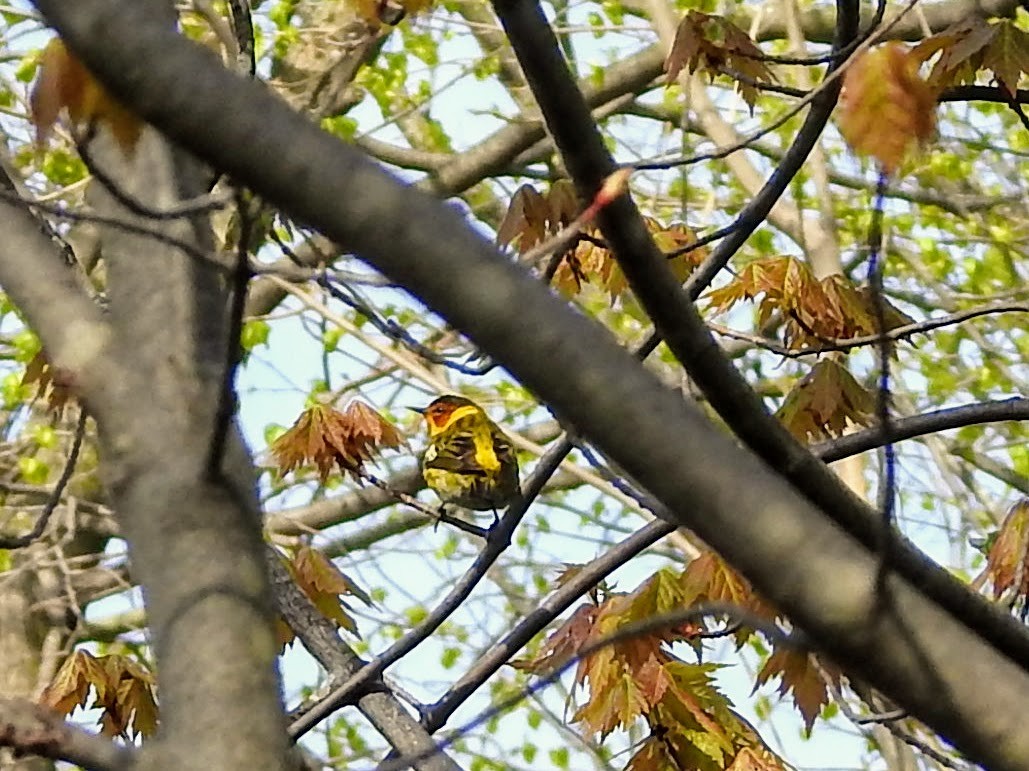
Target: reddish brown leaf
column 756, row 759
column 825, row 402
column 563, row 643
column 325, row 437
column 70, row 686
column 887, row 109
column 324, row 584
column 714, row 44
column 531, row 217
column 652, row 755
column 799, row 675
column 64, row 84
column 709, row 578
column 1007, row 55
column 688, row 46
column 369, row 432
column 522, row 223
column 52, row 384
column 653, row 679
column 961, row 51
column 1008, row 558
column 124, row 691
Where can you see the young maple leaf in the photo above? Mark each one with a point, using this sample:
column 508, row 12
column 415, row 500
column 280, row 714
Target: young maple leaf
column 326, row 437
column 63, row 83
column 70, row 686
column 961, row 52
column 325, row 585
column 715, row 44
column 136, row 699
column 824, row 402
column 756, row 759
column 525, row 223
column 765, row 278
column 618, row 703
column 369, row 431
column 1008, row 558
column 583, row 264
column 128, row 699
column 709, row 578
column 688, row 47
column 563, row 643
column 886, row 108
column 320, row 575
column 1007, row 55
column 697, row 719
column 801, row 676
column 284, row 634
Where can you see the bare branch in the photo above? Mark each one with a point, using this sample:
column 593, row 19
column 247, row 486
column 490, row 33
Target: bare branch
column 920, row 425
column 20, row 541
column 376, row 703
column 35, row 730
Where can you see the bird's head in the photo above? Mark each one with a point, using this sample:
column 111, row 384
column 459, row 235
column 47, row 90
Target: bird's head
column 441, row 413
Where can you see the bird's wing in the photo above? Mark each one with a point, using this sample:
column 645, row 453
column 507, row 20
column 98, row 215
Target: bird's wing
column 454, row 453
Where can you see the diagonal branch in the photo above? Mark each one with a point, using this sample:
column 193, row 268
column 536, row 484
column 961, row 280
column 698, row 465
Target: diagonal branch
column 35, row 730
column 376, row 703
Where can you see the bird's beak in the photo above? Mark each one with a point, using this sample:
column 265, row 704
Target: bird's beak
column 419, row 410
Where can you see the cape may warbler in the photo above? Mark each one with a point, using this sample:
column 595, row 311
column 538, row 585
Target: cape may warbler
column 469, row 462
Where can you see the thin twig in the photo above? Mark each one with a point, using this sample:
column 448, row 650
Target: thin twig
column 126, row 226
column 888, row 485
column 203, row 204
column 436, row 715
column 18, row 542
column 233, row 352
column 439, row 515
column 892, row 335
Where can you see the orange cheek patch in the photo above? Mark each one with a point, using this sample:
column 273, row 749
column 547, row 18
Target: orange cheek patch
column 439, row 419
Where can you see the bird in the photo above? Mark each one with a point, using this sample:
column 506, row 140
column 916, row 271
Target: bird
column 469, row 462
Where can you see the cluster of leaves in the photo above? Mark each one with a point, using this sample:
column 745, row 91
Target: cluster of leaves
column 814, row 312
column 713, row 44
column 632, row 675
column 64, row 84
column 122, row 688
column 591, row 262
column 972, row 45
column 825, row 401
column 886, row 108
column 804, row 675
column 325, row 437
column 533, row 218
column 325, row 585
